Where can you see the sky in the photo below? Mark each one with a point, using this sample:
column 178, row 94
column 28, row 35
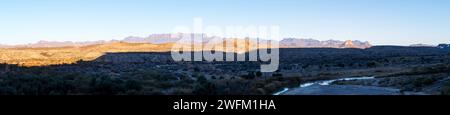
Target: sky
column 381, row 22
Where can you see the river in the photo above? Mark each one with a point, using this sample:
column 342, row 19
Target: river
column 322, row 83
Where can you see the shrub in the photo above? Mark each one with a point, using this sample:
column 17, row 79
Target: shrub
column 250, row 75
column 205, row 89
column 372, row 64
column 202, row 79
column 446, row 89
column 423, row 81
column 107, row 86
column 181, row 91
column 341, row 65
column 258, row 74
column 277, row 75
column 133, row 85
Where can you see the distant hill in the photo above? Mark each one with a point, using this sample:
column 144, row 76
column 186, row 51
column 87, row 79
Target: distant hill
column 171, row 38
column 50, row 44
column 154, row 38
column 66, row 55
column 28, row 56
column 311, row 43
column 57, row 44
column 421, row 45
column 444, row 46
column 4, row 46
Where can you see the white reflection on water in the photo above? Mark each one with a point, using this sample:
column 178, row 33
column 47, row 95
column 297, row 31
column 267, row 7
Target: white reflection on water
column 324, row 82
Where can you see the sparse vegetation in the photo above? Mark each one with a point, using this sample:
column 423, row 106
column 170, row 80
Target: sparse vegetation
column 153, row 73
column 446, row 89
column 373, row 64
column 424, row 81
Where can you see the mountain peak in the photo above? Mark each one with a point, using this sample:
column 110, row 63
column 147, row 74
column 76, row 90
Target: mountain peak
column 348, row 44
column 444, row 46
column 311, row 43
column 172, row 38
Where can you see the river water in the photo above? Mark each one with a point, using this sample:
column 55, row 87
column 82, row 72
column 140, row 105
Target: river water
column 323, row 82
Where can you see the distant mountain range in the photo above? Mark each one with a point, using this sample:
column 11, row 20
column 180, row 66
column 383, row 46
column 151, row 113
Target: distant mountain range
column 41, row 44
column 170, row 38
column 154, row 39
column 421, row 45
column 444, row 46
column 311, row 43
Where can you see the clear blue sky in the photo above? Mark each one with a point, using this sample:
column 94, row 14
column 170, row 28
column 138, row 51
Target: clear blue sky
column 394, row 22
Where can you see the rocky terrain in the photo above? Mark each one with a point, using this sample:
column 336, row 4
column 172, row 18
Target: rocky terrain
column 53, row 53
column 69, row 55
column 111, row 69
column 311, row 43
column 344, row 90
column 135, row 68
column 172, row 38
column 432, row 80
column 444, row 46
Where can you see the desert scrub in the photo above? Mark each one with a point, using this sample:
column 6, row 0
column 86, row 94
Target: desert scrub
column 446, row 89
column 424, row 81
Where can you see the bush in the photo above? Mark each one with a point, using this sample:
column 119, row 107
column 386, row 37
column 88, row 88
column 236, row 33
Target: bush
column 133, row 85
column 277, row 75
column 424, row 81
column 181, row 91
column 372, row 64
column 250, row 75
column 34, row 85
column 446, row 89
column 107, row 86
column 341, row 65
column 202, row 79
column 205, row 88
column 259, row 74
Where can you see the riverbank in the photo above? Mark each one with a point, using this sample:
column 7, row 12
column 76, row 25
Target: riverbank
column 335, row 87
column 343, row 90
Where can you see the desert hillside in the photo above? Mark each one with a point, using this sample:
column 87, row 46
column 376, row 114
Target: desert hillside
column 68, row 55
